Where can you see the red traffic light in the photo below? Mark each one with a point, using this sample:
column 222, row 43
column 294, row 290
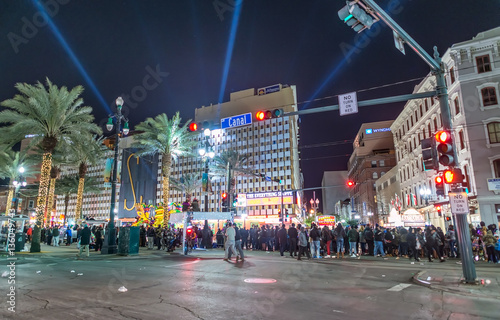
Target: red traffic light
column 193, row 126
column 260, row 115
column 189, row 230
column 350, row 183
column 224, row 195
column 438, row 208
column 438, row 180
column 448, row 176
column 443, row 137
column 453, row 176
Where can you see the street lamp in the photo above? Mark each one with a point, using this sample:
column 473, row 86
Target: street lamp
column 206, row 152
column 18, row 183
column 425, row 193
column 109, row 246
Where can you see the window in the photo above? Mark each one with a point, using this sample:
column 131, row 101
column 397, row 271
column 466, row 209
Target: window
column 496, row 168
column 483, row 64
column 382, row 163
column 457, row 106
column 374, row 164
column 375, row 175
column 426, row 105
column 452, row 76
column 461, row 138
column 489, row 96
column 435, row 124
column 494, row 132
column 421, row 111
column 429, row 128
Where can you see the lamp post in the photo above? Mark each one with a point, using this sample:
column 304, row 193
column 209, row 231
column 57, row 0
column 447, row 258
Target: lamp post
column 425, row 193
column 109, row 246
column 18, row 183
column 206, row 152
column 314, row 202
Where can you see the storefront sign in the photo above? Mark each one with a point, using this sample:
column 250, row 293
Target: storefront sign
column 494, row 184
column 326, row 220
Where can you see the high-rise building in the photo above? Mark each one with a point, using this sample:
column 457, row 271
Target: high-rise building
column 270, row 147
column 372, row 156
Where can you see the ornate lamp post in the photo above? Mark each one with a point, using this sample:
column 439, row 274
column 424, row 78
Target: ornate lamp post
column 206, row 152
column 109, row 246
column 18, row 183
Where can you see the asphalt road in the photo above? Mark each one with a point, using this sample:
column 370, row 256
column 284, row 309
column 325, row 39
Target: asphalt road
column 203, row 286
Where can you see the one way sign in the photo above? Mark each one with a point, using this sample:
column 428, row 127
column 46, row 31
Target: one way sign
column 459, row 202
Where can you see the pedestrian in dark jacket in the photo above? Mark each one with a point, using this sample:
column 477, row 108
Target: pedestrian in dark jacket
column 282, row 237
column 292, row 236
column 85, row 240
column 339, row 234
column 142, row 236
column 326, row 236
column 369, row 239
column 98, row 239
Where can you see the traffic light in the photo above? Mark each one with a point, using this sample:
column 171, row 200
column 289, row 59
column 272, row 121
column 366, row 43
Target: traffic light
column 445, row 148
column 355, row 17
column 193, row 126
column 224, row 201
column 235, row 199
column 448, row 218
column 268, row 114
column 278, row 180
column 286, row 213
column 439, row 185
column 453, row 176
column 429, row 154
column 351, row 183
column 189, row 232
column 438, row 209
column 201, row 126
column 279, row 215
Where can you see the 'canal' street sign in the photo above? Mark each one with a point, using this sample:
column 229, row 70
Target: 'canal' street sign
column 236, row 121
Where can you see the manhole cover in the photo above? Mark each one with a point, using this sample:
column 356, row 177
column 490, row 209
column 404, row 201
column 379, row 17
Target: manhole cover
column 260, row 280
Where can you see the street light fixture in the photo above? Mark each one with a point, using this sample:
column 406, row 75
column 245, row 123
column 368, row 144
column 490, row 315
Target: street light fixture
column 206, row 152
column 18, row 183
column 109, row 246
column 425, row 193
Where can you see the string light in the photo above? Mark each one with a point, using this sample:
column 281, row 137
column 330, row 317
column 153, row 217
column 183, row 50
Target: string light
column 43, row 189
column 50, row 202
column 9, row 200
column 79, row 199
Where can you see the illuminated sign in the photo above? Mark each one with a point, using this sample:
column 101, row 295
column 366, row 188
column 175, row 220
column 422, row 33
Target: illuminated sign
column 236, row 121
column 370, row 131
column 270, row 89
column 326, row 220
column 265, row 199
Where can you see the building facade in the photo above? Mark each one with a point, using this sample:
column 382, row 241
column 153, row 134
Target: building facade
column 335, row 191
column 473, row 76
column 372, row 157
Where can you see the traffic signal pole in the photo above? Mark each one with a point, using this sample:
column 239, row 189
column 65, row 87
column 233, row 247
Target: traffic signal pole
column 438, row 70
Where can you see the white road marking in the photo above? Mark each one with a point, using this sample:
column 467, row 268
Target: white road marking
column 182, row 264
column 399, row 287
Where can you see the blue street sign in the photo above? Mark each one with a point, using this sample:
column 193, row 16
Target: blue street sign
column 236, row 121
column 267, row 178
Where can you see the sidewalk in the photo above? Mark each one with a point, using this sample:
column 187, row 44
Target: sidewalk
column 488, row 282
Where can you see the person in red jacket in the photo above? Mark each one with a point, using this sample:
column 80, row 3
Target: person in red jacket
column 29, row 233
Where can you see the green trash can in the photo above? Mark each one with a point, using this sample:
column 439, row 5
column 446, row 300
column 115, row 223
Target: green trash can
column 20, row 241
column 128, row 241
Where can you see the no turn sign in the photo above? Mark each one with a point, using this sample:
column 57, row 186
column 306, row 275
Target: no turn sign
column 459, row 202
column 348, row 103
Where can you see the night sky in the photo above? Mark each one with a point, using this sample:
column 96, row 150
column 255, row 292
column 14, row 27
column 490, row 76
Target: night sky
column 170, row 56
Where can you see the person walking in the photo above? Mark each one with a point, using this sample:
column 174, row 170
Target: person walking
column 303, row 244
column 490, row 241
column 339, row 234
column 451, row 237
column 151, row 237
column 292, row 236
column 68, row 236
column 230, row 241
column 99, row 237
column 237, row 244
column 85, row 240
column 379, row 244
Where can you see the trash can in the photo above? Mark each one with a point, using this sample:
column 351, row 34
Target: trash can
column 128, row 241
column 20, row 241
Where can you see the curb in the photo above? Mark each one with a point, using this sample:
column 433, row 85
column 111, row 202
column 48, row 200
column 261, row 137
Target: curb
column 415, row 279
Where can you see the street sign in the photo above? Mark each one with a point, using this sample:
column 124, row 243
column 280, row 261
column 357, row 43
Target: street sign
column 267, row 178
column 494, row 184
column 236, row 121
column 348, row 103
column 399, row 42
column 459, row 202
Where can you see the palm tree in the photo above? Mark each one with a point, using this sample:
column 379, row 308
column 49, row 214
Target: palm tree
column 237, row 162
column 10, row 163
column 188, row 183
column 85, row 153
column 55, row 173
column 68, row 185
column 168, row 138
column 49, row 114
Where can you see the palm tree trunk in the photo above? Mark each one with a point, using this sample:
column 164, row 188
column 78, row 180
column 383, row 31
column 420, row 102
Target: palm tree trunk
column 79, row 199
column 166, row 165
column 50, row 201
column 42, row 198
column 9, row 200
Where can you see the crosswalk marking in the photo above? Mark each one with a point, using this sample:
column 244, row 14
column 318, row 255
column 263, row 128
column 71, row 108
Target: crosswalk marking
column 399, row 287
